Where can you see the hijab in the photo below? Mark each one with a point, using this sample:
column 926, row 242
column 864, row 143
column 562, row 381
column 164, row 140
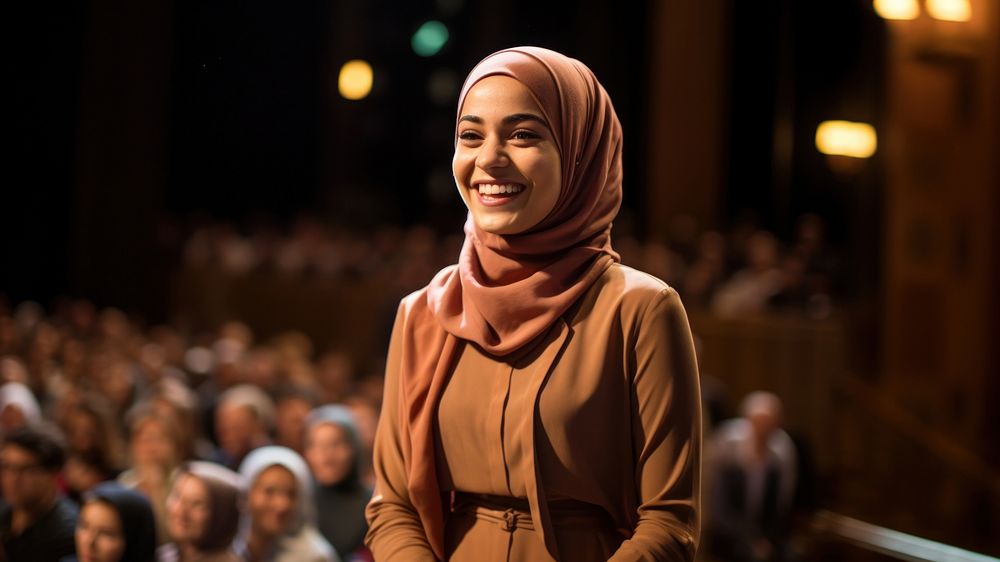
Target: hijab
column 340, row 506
column 18, row 395
column 507, row 290
column 136, row 515
column 263, row 458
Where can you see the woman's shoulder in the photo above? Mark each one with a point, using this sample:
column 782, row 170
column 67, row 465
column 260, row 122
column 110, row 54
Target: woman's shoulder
column 634, row 288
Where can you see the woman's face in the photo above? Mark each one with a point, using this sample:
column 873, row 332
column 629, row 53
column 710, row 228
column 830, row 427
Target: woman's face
column 507, row 166
column 189, row 507
column 330, row 453
column 272, row 501
column 152, row 444
column 99, row 535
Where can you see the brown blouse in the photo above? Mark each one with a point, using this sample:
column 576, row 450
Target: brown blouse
column 603, row 410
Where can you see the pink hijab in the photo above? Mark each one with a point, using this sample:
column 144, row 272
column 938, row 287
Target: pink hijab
column 507, row 290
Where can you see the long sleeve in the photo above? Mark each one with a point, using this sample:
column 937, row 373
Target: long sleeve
column 666, row 433
column 395, row 531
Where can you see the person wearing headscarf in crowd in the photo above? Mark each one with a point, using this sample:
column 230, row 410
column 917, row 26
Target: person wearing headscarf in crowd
column 115, row 525
column 541, row 399
column 18, row 407
column 203, row 514
column 332, row 449
column 280, row 522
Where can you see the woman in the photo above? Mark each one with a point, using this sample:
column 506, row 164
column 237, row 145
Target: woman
column 541, row 400
column 279, row 525
column 115, row 525
column 155, row 450
column 203, row 514
column 332, row 451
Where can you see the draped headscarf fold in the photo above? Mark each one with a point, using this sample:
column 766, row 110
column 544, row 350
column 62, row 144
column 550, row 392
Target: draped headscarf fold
column 508, row 290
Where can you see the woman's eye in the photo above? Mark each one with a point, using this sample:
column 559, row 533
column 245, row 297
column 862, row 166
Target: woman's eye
column 468, row 135
column 524, row 134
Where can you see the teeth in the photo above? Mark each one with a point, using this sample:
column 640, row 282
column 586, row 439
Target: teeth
column 496, row 189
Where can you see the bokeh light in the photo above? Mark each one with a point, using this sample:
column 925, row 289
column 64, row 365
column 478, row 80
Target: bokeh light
column 844, row 138
column 429, row 38
column 950, row 10
column 355, row 81
column 897, row 9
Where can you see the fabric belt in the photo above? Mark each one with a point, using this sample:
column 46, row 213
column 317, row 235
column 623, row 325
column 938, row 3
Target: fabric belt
column 515, row 513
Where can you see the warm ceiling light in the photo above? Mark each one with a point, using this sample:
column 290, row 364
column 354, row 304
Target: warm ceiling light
column 844, row 138
column 355, row 81
column 897, row 9
column 950, row 10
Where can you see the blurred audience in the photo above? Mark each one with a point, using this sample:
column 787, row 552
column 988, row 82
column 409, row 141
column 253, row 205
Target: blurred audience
column 171, row 413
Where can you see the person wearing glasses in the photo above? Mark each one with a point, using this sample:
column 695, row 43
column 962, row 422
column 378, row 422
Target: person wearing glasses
column 36, row 521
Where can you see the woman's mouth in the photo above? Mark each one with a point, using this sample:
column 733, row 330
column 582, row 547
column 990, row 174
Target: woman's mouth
column 494, row 194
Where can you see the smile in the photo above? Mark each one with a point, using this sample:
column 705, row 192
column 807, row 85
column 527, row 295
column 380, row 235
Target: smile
column 498, row 194
column 500, row 189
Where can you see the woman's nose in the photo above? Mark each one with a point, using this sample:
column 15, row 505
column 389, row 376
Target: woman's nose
column 492, row 153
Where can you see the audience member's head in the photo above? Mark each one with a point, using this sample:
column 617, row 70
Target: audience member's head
column 30, row 460
column 763, row 410
column 115, row 525
column 243, row 419
column 203, row 508
column 332, row 446
column 154, row 439
column 278, row 487
column 292, row 405
column 18, row 407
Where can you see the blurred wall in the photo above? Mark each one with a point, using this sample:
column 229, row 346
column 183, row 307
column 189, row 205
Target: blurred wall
column 941, row 239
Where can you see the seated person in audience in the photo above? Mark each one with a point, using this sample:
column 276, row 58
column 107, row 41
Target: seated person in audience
column 333, row 452
column 280, row 520
column 243, row 421
column 154, row 446
column 203, row 514
column 18, row 407
column 751, row 482
column 292, row 405
column 115, row 525
column 36, row 522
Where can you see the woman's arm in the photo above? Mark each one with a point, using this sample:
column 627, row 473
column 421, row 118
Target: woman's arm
column 395, row 532
column 666, row 431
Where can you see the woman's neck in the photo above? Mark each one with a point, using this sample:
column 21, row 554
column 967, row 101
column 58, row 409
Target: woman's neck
column 259, row 546
column 187, row 552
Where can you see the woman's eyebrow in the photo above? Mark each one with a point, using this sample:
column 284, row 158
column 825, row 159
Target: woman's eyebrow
column 513, row 118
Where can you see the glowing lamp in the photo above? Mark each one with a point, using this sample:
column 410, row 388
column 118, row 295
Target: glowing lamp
column 897, row 9
column 950, row 10
column 355, row 81
column 844, row 138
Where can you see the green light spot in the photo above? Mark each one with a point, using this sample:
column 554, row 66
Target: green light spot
column 429, row 39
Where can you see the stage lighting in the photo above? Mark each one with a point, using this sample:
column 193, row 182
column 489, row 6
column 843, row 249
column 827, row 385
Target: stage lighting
column 429, row 38
column 355, row 81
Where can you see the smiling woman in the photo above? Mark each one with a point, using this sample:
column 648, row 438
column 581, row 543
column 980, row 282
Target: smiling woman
column 281, row 520
column 506, row 161
column 541, row 399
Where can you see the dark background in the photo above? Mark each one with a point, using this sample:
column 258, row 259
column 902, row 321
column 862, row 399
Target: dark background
column 130, row 124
